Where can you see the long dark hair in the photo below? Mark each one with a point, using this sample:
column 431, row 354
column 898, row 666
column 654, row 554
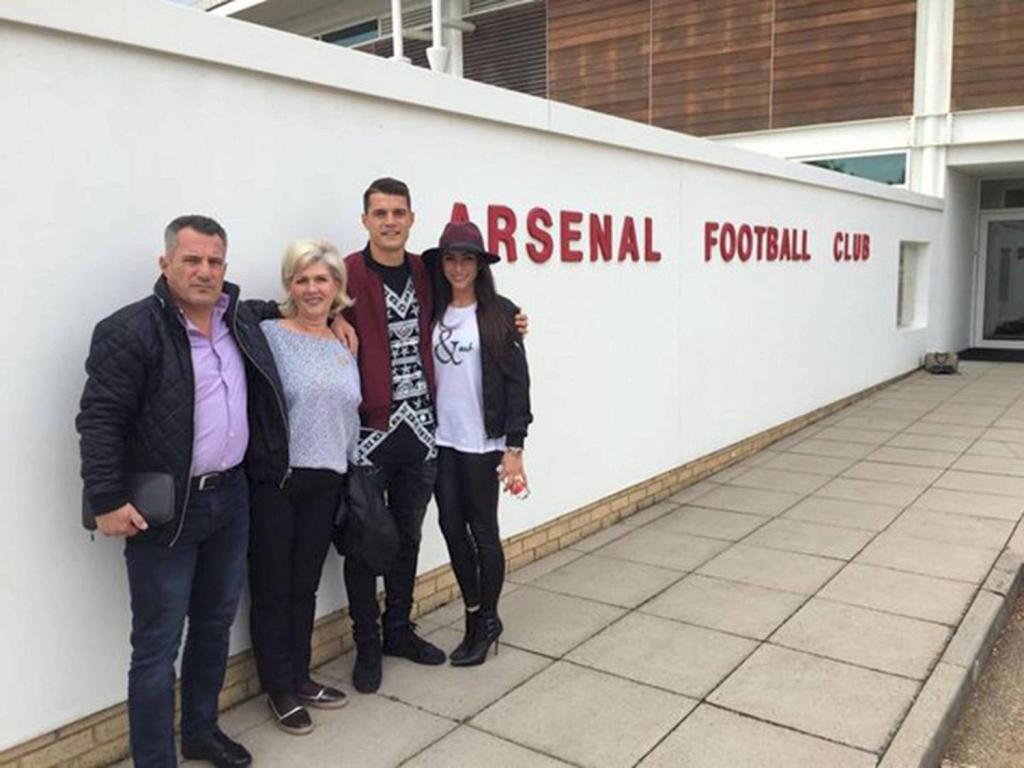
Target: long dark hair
column 495, row 325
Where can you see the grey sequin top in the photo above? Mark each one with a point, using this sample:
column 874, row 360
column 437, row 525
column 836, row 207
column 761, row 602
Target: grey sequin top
column 321, row 390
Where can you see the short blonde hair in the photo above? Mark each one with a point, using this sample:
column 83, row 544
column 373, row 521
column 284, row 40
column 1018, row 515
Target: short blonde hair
column 302, row 254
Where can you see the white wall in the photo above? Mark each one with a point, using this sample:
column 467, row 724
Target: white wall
column 951, row 275
column 120, row 114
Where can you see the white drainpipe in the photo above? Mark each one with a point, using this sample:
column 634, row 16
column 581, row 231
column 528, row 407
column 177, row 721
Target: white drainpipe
column 437, row 54
column 396, row 32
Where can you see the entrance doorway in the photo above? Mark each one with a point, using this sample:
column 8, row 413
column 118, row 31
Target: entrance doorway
column 999, row 319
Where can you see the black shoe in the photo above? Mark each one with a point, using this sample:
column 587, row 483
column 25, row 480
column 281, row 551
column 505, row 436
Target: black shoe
column 404, row 642
column 291, row 717
column 366, row 673
column 459, row 652
column 488, row 630
column 320, row 696
column 217, row 749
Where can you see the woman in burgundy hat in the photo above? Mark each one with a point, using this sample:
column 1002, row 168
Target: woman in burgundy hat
column 483, row 410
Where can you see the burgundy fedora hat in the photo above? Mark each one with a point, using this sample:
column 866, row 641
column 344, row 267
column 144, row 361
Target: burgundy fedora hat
column 460, row 236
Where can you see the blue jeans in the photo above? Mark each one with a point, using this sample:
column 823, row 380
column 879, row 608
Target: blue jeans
column 200, row 578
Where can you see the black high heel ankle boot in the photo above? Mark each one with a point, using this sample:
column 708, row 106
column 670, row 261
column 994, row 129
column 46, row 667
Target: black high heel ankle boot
column 460, row 651
column 487, row 631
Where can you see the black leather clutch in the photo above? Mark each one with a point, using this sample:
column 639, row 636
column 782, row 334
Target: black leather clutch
column 152, row 493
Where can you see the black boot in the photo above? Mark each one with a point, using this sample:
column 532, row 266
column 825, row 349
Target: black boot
column 404, row 642
column 488, row 630
column 462, row 648
column 366, row 673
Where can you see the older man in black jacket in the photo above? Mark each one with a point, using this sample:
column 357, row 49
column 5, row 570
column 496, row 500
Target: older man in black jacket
column 169, row 379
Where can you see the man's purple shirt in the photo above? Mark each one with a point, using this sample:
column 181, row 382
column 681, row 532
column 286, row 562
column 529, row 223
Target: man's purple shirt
column 221, row 423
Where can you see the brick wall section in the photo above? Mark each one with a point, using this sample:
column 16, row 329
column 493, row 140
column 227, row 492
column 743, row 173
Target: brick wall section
column 102, row 738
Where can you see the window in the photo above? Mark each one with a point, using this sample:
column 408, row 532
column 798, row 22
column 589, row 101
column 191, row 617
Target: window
column 885, row 169
column 910, row 286
column 354, row 34
column 997, row 194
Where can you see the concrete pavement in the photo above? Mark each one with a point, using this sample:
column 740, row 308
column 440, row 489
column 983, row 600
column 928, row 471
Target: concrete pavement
column 822, row 603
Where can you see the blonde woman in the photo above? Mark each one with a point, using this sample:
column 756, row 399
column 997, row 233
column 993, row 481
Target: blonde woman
column 297, row 483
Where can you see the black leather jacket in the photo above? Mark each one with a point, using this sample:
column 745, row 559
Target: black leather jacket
column 507, row 390
column 137, row 408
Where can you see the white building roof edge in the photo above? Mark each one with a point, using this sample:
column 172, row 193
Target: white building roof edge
column 178, row 31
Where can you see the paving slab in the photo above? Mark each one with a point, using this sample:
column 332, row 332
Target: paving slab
column 873, row 469
column 659, row 547
column 751, row 500
column 470, row 746
column 599, row 539
column 787, row 571
column 843, row 512
column 931, row 442
column 932, row 558
column 872, row 491
column 554, row 561
column 711, row 523
column 863, row 420
column 715, row 738
column 729, row 606
column 666, row 654
column 994, row 448
column 993, row 465
column 944, row 430
column 868, row 638
column 805, row 462
column 791, row 688
column 853, row 435
column 454, row 692
column 691, row 492
column 956, row 529
column 907, row 594
column 371, row 731
column 966, row 418
column 839, row 449
column 971, row 503
column 1004, row 435
column 810, row 538
column 779, row 480
column 585, row 717
column 914, row 457
column 609, row 580
column 644, row 516
column 550, row 623
column 958, row 480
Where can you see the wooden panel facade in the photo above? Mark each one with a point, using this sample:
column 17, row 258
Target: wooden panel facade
column 711, row 65
column 988, row 54
column 723, row 66
column 839, row 60
column 599, row 55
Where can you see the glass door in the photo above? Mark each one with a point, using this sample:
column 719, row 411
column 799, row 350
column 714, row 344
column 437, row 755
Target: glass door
column 1000, row 316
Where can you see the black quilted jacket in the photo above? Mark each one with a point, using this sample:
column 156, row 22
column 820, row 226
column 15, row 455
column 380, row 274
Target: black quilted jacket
column 137, row 408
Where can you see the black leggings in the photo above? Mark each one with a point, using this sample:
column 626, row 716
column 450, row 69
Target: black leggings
column 467, row 502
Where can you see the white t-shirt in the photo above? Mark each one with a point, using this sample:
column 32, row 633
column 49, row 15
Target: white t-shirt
column 459, row 378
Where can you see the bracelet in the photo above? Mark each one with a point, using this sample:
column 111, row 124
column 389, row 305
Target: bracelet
column 513, row 449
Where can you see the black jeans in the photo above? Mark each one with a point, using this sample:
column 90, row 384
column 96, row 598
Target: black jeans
column 200, row 577
column 406, row 488
column 467, row 503
column 291, row 533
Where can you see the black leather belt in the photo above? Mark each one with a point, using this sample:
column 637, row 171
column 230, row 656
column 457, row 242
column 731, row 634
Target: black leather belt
column 211, row 481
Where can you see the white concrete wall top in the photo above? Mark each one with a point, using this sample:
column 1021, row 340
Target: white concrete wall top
column 178, row 31
column 121, row 114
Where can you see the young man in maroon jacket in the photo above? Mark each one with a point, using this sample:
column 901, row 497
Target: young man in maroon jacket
column 396, row 452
